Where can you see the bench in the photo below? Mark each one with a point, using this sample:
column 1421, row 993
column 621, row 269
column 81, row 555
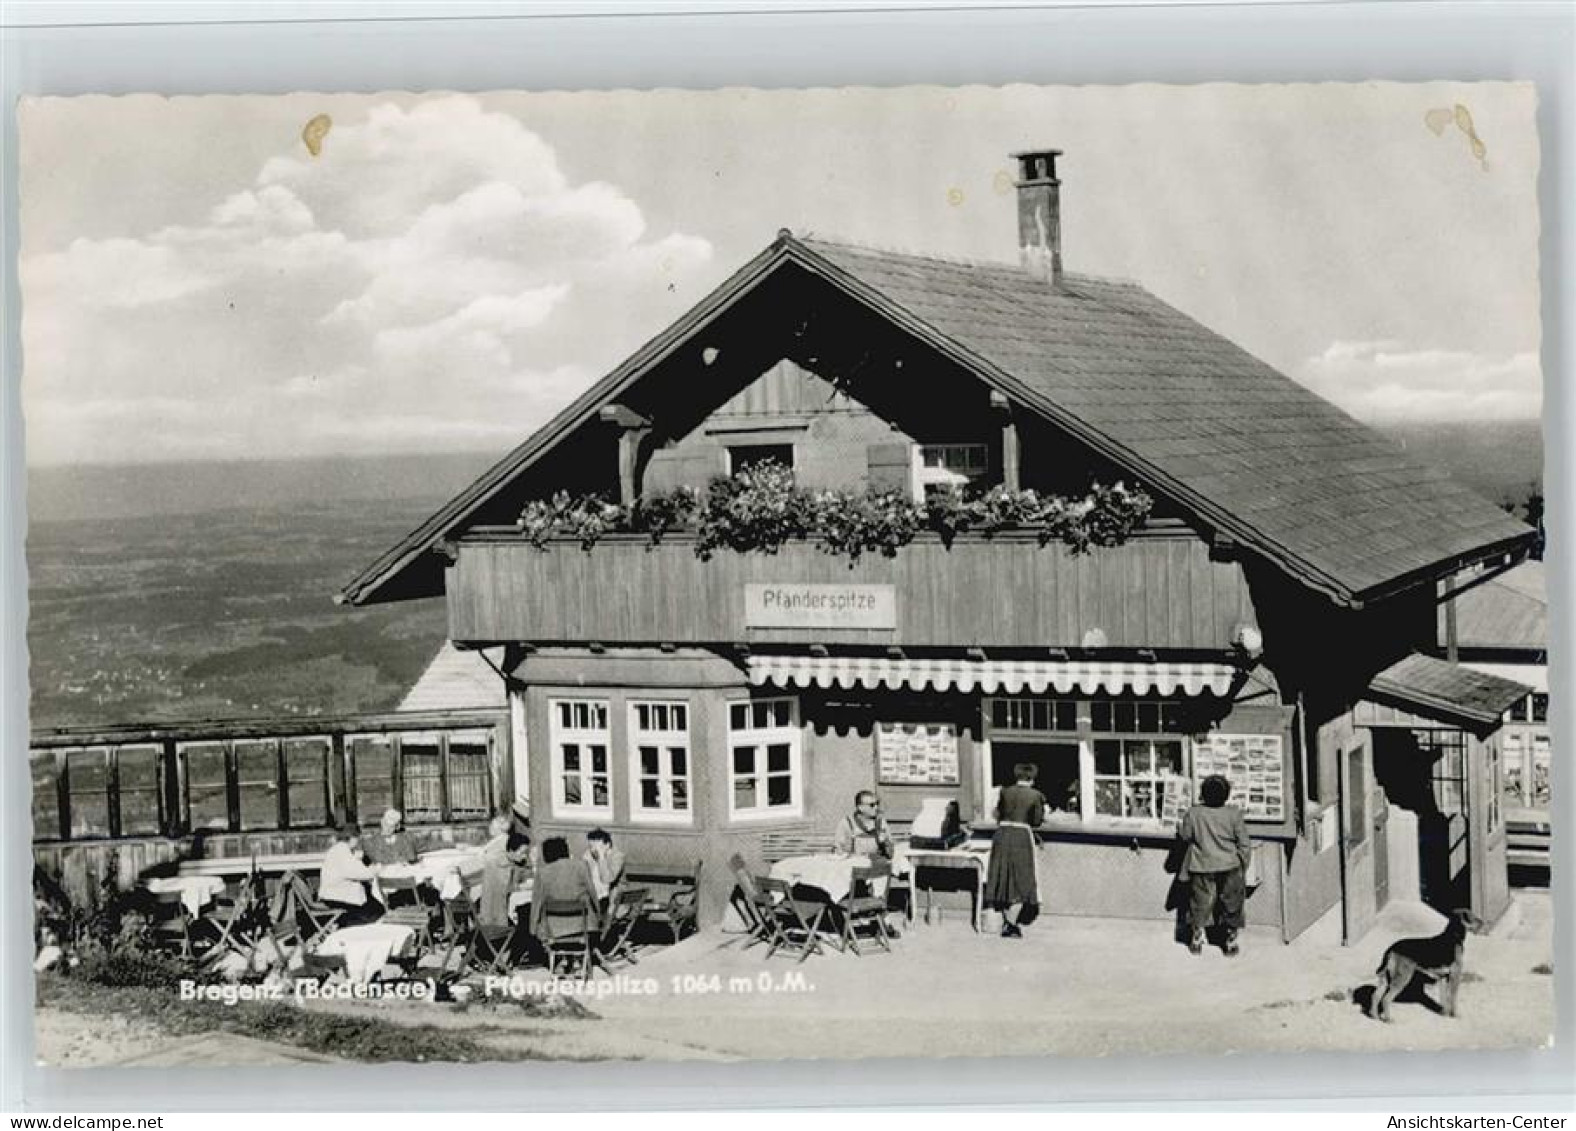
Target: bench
column 276, row 864
column 672, row 894
column 780, row 844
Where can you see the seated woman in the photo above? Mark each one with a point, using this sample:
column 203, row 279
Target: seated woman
column 560, row 879
column 343, row 883
column 863, row 832
column 391, row 844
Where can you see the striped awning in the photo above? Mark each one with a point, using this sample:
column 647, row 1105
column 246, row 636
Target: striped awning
column 1010, row 677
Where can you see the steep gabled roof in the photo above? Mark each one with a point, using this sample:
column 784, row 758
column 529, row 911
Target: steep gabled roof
column 1192, row 415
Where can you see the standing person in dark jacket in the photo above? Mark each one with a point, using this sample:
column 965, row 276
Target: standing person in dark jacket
column 1218, row 851
column 1013, row 877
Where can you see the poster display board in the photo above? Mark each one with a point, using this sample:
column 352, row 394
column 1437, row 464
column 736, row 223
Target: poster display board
column 1254, row 764
column 917, row 754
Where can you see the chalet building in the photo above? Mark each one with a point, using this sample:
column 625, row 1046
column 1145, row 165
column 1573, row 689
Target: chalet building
column 1501, row 627
column 1271, row 619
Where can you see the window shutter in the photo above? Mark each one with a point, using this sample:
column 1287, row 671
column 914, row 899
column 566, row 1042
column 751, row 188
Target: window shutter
column 890, row 467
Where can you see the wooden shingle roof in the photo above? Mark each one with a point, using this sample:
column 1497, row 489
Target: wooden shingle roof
column 1509, row 613
column 1200, row 412
column 1328, row 500
column 1438, row 688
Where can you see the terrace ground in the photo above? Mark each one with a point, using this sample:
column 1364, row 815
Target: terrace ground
column 1083, row 987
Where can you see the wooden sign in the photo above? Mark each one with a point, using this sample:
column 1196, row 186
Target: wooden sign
column 804, row 605
column 1254, row 764
column 917, row 754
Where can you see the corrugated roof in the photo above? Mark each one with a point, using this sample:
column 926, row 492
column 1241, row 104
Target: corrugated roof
column 456, row 680
column 1509, row 612
column 1438, row 688
column 1193, row 416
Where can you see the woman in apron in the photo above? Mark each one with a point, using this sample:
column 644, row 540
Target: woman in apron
column 1013, row 878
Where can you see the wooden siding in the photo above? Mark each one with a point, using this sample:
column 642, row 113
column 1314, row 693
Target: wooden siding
column 1153, row 592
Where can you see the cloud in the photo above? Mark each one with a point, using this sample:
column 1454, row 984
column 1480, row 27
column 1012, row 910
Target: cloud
column 1387, row 382
column 434, row 264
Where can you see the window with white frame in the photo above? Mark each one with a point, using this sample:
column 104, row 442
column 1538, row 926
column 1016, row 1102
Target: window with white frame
column 660, row 761
column 939, row 466
column 1131, row 776
column 579, row 739
column 764, row 778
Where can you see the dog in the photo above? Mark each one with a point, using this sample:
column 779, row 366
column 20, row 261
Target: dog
column 1433, row 959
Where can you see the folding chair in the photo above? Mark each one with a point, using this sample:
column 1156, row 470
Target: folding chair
column 172, row 923
column 623, row 916
column 674, row 898
column 569, row 932
column 744, row 899
column 321, row 967
column 409, row 910
column 237, row 919
column 795, row 924
column 487, row 948
column 864, row 908
column 314, row 919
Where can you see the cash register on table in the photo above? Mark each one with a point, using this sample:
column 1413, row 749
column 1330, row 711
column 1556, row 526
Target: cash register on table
column 938, row 838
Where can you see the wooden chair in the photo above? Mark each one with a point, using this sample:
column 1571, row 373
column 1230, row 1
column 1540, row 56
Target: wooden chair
column 746, row 900
column 408, row 910
column 237, row 920
column 320, row 968
column 794, row 925
column 673, row 895
column 172, row 923
column 487, row 948
column 314, row 919
column 623, row 916
column 569, row 930
column 865, row 907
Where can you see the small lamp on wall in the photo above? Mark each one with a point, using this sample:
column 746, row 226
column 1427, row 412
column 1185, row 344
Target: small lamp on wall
column 1247, row 641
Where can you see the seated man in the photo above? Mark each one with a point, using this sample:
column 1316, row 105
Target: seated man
column 863, row 832
column 504, row 859
column 391, row 844
column 606, row 865
column 560, row 878
column 344, row 879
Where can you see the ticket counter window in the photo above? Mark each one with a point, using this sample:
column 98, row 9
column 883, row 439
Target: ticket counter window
column 1058, row 764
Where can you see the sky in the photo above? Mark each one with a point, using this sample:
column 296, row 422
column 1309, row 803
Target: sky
column 449, row 270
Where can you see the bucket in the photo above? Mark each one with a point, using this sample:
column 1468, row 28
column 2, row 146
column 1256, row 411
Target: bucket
column 990, row 921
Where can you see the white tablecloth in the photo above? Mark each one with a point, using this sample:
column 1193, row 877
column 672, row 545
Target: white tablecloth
column 830, row 873
column 449, row 870
column 197, row 892
column 367, row 948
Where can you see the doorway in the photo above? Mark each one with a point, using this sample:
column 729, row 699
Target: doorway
column 1057, row 763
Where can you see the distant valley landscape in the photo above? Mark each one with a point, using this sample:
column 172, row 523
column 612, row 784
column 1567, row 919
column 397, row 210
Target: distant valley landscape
column 187, row 591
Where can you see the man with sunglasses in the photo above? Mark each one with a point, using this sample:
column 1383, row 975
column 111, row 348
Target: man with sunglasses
column 863, row 832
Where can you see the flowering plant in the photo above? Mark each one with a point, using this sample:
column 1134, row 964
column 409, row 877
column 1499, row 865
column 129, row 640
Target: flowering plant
column 760, row 508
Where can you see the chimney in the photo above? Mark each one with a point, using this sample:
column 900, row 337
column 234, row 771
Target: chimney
column 1040, row 214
